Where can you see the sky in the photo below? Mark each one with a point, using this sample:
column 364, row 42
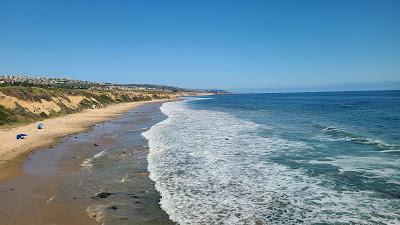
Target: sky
column 204, row 44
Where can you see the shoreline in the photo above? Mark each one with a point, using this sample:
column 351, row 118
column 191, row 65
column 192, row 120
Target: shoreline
column 13, row 151
column 60, row 184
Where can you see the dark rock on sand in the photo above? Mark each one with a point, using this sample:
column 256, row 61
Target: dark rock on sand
column 113, row 207
column 101, row 195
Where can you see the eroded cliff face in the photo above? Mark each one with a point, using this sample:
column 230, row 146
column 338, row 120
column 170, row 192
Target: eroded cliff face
column 27, row 104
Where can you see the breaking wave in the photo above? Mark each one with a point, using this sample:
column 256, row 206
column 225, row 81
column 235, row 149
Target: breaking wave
column 213, row 168
column 342, row 135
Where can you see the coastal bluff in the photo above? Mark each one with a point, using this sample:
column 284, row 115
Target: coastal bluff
column 22, row 105
column 65, row 107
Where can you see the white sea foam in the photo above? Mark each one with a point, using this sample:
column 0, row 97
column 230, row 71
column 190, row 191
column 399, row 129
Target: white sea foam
column 125, row 178
column 100, row 154
column 87, row 163
column 50, row 199
column 97, row 211
column 212, row 168
column 344, row 136
column 394, row 150
column 380, row 168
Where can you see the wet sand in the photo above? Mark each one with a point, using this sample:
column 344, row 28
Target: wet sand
column 91, row 178
column 13, row 151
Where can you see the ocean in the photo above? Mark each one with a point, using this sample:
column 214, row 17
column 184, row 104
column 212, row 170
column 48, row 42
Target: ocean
column 295, row 158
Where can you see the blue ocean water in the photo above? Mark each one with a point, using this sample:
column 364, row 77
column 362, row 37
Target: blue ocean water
column 298, row 158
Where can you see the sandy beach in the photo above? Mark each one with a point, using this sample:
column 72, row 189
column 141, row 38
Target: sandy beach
column 94, row 177
column 13, row 151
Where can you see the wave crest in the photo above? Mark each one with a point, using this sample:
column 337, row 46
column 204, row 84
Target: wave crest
column 212, row 168
column 342, row 135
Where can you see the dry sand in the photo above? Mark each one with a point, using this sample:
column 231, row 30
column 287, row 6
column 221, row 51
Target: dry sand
column 13, row 151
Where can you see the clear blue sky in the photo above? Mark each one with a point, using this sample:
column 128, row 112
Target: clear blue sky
column 204, row 44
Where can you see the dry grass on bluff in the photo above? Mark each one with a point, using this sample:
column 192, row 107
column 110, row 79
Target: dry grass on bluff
column 28, row 104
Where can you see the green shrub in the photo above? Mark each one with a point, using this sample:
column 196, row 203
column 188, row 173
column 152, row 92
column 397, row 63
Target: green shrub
column 4, row 114
column 104, row 99
column 85, row 104
column 43, row 115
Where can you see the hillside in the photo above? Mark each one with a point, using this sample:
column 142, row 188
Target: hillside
column 24, row 104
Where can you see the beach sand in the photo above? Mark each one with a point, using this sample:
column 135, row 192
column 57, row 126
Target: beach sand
column 13, row 151
column 58, row 184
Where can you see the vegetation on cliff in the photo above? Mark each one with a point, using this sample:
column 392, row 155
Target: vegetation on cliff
column 24, row 104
